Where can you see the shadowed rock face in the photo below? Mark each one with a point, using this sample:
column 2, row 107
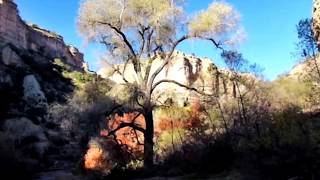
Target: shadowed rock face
column 316, row 21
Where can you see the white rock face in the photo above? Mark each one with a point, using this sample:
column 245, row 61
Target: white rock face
column 9, row 57
column 185, row 69
column 316, row 20
column 33, row 95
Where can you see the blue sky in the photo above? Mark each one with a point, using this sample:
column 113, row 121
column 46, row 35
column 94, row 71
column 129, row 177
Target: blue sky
column 269, row 25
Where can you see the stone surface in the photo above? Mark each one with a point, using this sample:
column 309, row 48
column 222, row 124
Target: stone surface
column 10, row 58
column 15, row 31
column 316, row 20
column 21, row 128
column 200, row 73
column 33, row 94
column 5, row 79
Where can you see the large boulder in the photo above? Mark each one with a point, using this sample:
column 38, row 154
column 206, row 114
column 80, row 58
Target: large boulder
column 33, row 94
column 25, row 134
column 21, row 129
column 10, row 57
column 5, row 79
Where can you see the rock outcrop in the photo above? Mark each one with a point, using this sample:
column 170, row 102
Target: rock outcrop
column 10, row 58
column 200, row 73
column 31, row 37
column 316, row 20
column 33, row 94
column 31, row 80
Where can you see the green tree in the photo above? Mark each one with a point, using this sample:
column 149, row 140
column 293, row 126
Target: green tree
column 137, row 32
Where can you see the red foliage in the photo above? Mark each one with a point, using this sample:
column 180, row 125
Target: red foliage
column 196, row 106
column 127, row 136
column 134, row 139
column 193, row 121
column 95, row 160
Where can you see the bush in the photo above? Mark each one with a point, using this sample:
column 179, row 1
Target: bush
column 104, row 154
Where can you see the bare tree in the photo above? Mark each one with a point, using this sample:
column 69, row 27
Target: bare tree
column 137, row 32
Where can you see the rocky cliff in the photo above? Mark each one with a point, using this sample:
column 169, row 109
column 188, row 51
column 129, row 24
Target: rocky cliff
column 32, row 62
column 31, row 37
column 316, row 20
column 200, row 73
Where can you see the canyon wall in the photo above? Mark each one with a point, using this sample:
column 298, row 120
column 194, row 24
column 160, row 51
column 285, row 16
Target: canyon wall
column 316, row 20
column 31, row 37
column 200, row 73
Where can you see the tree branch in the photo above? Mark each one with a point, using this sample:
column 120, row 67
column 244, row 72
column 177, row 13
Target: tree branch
column 135, row 59
column 119, row 32
column 117, row 106
column 131, row 124
column 160, row 68
column 142, row 35
column 181, row 85
column 218, row 45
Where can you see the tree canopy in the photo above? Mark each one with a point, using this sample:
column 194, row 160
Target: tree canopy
column 140, row 28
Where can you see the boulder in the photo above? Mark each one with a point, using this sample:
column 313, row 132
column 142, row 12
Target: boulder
column 33, row 95
column 5, row 79
column 10, row 58
column 20, row 129
column 27, row 136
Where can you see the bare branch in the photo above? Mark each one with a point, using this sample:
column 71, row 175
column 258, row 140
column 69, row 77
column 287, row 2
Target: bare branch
column 148, row 68
column 160, row 68
column 149, row 42
column 132, row 124
column 119, row 32
column 181, row 85
column 142, row 33
column 137, row 137
column 218, row 45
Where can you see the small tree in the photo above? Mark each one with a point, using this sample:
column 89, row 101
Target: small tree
column 138, row 31
column 307, row 46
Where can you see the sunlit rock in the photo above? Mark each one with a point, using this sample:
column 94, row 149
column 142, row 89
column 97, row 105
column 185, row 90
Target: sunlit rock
column 33, row 94
column 316, row 21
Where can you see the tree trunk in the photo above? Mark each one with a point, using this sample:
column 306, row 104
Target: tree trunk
column 148, row 138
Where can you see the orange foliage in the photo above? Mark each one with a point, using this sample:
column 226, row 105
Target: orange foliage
column 170, row 123
column 194, row 121
column 103, row 154
column 196, row 107
column 133, row 139
column 94, row 159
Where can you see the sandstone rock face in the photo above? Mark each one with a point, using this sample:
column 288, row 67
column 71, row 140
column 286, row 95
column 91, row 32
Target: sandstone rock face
column 33, row 94
column 200, row 73
column 316, row 21
column 15, row 31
